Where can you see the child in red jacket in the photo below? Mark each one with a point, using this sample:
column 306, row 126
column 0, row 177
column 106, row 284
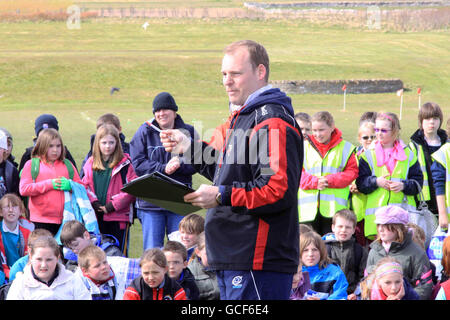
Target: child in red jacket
column 154, row 283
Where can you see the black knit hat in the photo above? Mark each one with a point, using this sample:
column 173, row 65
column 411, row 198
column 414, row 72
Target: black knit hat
column 45, row 121
column 164, row 100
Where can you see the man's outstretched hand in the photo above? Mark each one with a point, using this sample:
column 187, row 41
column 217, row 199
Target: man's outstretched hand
column 174, row 141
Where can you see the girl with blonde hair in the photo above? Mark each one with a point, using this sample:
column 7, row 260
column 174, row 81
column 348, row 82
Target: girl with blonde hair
column 105, row 173
column 387, row 283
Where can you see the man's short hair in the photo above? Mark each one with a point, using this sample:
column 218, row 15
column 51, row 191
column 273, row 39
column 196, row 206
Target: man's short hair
column 258, row 54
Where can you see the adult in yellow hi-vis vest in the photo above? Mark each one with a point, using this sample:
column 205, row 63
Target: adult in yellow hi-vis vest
column 329, row 167
column 386, row 172
column 424, row 142
column 440, row 170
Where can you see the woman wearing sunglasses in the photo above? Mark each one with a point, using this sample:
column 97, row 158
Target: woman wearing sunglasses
column 425, row 141
column 386, row 171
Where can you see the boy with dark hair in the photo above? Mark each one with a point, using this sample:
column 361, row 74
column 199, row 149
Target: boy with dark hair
column 177, row 262
column 345, row 251
column 75, row 238
column 425, row 141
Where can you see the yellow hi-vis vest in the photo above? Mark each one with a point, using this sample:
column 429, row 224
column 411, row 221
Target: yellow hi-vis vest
column 382, row 197
column 443, row 157
column 418, row 149
column 329, row 200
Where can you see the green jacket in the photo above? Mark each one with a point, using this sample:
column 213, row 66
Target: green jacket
column 414, row 260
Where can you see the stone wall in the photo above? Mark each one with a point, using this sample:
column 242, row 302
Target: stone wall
column 335, row 86
column 346, row 4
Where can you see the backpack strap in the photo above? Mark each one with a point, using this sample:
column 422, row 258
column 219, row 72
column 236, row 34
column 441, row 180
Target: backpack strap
column 35, row 162
column 123, row 174
column 69, row 168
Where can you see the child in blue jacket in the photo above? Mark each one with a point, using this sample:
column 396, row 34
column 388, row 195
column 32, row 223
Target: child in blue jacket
column 328, row 281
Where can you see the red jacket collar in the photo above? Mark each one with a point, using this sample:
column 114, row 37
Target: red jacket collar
column 99, row 283
column 336, row 137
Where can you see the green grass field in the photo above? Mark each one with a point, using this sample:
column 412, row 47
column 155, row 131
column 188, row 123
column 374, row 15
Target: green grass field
column 47, row 68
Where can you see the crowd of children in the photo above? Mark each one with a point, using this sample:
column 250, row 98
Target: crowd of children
column 48, row 253
column 356, row 238
column 355, row 242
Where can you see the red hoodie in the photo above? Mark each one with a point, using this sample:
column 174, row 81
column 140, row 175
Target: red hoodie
column 335, row 180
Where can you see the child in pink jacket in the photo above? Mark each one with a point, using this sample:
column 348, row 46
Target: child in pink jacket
column 46, row 193
column 105, row 173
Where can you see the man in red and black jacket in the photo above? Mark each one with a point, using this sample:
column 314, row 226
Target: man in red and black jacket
column 251, row 227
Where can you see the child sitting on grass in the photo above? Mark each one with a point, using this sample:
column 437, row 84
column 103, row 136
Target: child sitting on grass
column 328, row 282
column 386, row 282
column 96, row 273
column 188, row 231
column 75, row 237
column 345, row 251
column 154, row 283
column 45, row 278
column 176, row 255
column 13, row 235
column 205, row 279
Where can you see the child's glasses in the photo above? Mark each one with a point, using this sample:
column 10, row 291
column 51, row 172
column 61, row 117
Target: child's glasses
column 6, row 208
column 368, row 137
column 382, row 130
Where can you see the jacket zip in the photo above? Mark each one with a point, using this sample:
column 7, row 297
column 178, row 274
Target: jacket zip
column 321, row 167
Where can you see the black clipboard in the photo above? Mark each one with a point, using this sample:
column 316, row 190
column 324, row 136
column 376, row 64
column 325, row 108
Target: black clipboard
column 162, row 191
